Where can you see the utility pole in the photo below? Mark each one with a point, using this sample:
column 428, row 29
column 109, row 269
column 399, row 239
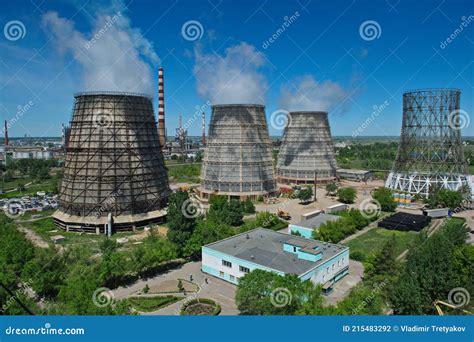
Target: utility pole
column 315, row 182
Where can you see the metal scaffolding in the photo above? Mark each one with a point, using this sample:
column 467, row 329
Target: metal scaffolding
column 238, row 159
column 113, row 164
column 430, row 151
column 307, row 151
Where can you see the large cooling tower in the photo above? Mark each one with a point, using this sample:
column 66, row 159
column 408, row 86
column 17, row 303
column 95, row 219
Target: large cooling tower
column 114, row 165
column 238, row 157
column 430, row 150
column 307, row 151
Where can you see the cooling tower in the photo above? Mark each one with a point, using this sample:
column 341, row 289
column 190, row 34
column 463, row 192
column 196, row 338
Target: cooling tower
column 113, row 164
column 307, row 151
column 238, row 157
column 430, row 152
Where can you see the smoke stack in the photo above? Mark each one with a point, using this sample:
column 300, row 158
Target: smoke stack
column 161, row 109
column 6, row 133
column 203, row 128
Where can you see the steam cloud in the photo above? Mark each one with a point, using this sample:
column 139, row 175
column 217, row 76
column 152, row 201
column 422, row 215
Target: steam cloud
column 232, row 78
column 309, row 95
column 112, row 55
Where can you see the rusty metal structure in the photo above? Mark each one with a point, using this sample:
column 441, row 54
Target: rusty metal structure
column 430, row 153
column 307, row 151
column 114, row 165
column 238, row 156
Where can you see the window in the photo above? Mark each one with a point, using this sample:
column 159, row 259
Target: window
column 333, row 266
column 226, row 263
column 324, row 277
column 221, row 274
column 339, row 263
column 232, row 278
column 244, row 269
column 294, row 249
column 327, row 270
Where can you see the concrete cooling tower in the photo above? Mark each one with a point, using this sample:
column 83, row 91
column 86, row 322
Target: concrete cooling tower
column 238, row 157
column 307, row 151
column 430, row 152
column 114, row 170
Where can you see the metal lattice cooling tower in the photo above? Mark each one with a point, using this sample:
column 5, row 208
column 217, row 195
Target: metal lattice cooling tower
column 238, row 158
column 307, row 151
column 114, row 165
column 430, row 150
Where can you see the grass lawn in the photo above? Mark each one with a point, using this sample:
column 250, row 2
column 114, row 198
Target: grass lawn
column 372, row 241
column 148, row 304
column 48, row 185
column 185, row 173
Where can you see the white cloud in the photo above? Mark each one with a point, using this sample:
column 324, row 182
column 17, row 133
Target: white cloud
column 114, row 55
column 306, row 94
column 232, row 78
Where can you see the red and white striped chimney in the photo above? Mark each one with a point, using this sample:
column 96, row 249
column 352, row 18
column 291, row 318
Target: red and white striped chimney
column 161, row 109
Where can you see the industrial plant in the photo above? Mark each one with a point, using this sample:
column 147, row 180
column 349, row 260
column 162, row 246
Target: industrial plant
column 114, row 175
column 307, row 151
column 430, row 153
column 238, row 157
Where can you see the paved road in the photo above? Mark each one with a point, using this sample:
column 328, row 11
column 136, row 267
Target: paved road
column 216, row 289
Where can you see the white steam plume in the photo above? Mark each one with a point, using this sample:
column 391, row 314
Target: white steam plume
column 309, row 95
column 112, row 55
column 232, row 78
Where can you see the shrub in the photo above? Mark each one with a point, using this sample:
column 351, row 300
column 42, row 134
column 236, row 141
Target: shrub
column 347, row 195
column 358, row 256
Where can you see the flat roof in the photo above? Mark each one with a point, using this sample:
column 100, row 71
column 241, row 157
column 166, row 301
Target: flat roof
column 265, row 247
column 316, row 221
column 353, row 171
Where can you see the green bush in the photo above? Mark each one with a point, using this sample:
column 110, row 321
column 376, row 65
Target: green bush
column 215, row 312
column 347, row 195
column 385, row 199
column 358, row 256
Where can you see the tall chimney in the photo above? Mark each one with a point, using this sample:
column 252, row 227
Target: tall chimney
column 203, row 128
column 6, row 133
column 161, row 109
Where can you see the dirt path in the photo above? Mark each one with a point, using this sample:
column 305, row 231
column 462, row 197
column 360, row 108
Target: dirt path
column 33, row 237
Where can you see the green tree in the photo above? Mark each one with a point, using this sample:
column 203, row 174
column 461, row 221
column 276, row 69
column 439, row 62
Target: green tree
column 181, row 218
column 385, row 262
column 205, row 233
column 331, row 188
column 223, row 211
column 305, row 194
column 384, row 197
column 347, row 195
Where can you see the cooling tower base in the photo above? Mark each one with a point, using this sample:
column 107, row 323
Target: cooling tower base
column 98, row 225
column 204, row 194
column 420, row 183
column 297, row 181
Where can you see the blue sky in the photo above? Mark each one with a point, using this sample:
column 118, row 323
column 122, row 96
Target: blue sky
column 322, row 44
